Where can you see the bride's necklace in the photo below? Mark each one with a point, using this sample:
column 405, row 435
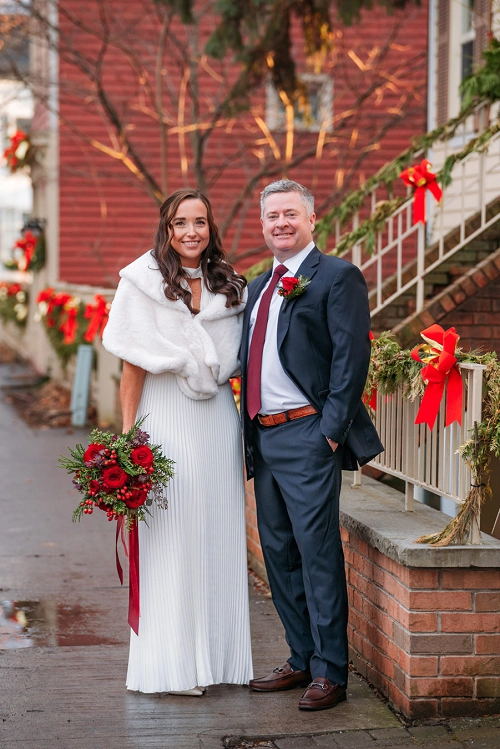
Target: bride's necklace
column 195, row 285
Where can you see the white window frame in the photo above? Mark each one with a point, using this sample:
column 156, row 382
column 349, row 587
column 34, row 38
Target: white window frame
column 275, row 114
column 458, row 37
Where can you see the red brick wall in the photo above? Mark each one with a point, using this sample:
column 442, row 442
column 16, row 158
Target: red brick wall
column 255, row 557
column 428, row 638
column 106, row 216
column 478, row 320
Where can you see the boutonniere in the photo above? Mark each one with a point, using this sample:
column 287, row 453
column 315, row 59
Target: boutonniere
column 292, row 287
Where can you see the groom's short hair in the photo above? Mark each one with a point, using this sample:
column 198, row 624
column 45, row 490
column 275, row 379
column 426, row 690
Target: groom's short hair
column 288, row 185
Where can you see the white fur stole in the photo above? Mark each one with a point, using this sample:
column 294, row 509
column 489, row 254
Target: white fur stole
column 148, row 330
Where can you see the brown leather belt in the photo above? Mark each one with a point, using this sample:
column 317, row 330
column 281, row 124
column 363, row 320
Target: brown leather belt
column 295, row 413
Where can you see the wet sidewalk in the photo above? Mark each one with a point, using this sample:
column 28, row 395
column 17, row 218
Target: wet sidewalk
column 62, row 678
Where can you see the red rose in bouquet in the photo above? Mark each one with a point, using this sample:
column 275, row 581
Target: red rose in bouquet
column 114, row 477
column 94, row 487
column 91, row 451
column 142, row 456
column 136, row 498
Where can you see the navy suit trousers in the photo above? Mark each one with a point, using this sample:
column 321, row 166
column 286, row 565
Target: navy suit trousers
column 297, row 487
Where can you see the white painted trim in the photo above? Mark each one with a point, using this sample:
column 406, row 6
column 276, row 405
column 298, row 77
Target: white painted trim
column 432, row 65
column 52, row 164
column 84, row 291
column 457, row 38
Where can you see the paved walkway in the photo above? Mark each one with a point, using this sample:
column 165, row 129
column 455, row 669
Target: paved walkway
column 66, row 689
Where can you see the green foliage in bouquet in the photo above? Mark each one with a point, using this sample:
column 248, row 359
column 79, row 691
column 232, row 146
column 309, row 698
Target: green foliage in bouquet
column 120, row 474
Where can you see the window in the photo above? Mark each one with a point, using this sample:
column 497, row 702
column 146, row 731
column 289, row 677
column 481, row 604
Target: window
column 467, row 38
column 14, row 40
column 24, row 124
column 311, row 115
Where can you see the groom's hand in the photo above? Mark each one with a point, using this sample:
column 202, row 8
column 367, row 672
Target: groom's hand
column 332, row 444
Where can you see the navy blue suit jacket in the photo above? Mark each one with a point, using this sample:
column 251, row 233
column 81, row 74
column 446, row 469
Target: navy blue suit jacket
column 324, row 347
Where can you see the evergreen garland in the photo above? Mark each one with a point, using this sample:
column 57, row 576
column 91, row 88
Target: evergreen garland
column 481, row 87
column 38, row 259
column 13, row 303
column 367, row 230
column 484, row 83
column 392, row 367
column 52, row 324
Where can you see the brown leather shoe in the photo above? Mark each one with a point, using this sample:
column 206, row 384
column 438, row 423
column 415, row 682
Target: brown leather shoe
column 321, row 694
column 283, row 677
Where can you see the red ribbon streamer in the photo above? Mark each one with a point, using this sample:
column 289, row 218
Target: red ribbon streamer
column 133, row 568
column 440, row 371
column 421, row 179
column 98, row 314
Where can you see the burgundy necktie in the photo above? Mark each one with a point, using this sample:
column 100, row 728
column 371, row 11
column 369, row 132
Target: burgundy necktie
column 257, row 344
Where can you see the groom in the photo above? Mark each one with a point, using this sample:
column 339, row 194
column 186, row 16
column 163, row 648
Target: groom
column 304, row 362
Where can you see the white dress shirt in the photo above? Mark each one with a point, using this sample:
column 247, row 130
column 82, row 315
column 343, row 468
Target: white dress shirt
column 278, row 392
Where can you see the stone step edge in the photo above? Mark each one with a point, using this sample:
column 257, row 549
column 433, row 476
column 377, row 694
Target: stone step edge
column 375, row 513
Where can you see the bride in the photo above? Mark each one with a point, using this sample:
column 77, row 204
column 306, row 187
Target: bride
column 176, row 323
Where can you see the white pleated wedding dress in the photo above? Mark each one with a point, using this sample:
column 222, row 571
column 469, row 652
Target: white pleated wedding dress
column 194, row 618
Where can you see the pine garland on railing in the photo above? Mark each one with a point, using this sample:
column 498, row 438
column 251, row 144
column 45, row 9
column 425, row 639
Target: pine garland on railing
column 482, row 87
column 392, row 367
column 368, row 229
column 386, row 176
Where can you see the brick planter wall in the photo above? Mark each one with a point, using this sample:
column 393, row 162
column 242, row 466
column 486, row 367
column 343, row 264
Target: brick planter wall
column 428, row 638
column 424, row 623
column 255, row 557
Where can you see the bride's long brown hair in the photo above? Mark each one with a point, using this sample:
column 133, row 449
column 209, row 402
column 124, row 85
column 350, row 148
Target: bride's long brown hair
column 218, row 275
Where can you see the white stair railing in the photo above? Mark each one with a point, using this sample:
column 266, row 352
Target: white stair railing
column 399, row 255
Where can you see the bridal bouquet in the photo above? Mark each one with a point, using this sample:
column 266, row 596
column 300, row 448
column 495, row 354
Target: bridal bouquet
column 119, row 473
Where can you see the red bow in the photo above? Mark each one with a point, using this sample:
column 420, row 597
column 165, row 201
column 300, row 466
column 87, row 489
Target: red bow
column 421, row 179
column 10, row 152
column 98, row 314
column 440, row 370
column 27, row 244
